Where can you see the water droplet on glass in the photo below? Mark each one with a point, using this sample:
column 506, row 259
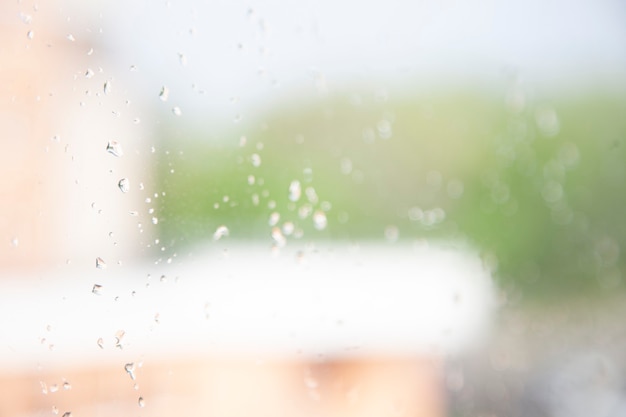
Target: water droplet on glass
column 124, row 185
column 391, row 233
column 55, row 410
column 164, row 94
column 500, row 193
column 54, row 388
column 119, row 336
column 114, row 148
column 15, row 242
column 295, row 190
column 130, row 370
column 305, row 211
column 97, row 289
column 569, row 155
column 278, row 237
column 274, row 219
column 182, row 58
column 70, row 37
column 455, row 189
column 100, row 343
column 552, row 192
column 100, row 264
column 384, row 129
column 547, row 121
column 255, row 159
column 345, row 166
column 319, row 220
column 155, row 220
column 220, row 232
column 89, row 73
column 310, row 382
column 67, row 386
column 176, row 110
column 107, row 87
column 141, row 402
column 288, row 228
column 67, row 414
column 26, row 18
column 30, row 34
column 44, row 387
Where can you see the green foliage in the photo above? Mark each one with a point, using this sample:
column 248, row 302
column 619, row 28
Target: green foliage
column 540, row 187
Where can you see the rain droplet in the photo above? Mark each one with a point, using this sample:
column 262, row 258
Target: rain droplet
column 55, row 410
column 384, row 129
column 119, row 335
column 44, row 387
column 67, row 386
column 70, row 37
column 274, row 219
column 391, row 233
column 547, row 121
column 455, row 189
column 67, row 414
column 295, row 190
column 26, row 18
column 155, row 220
column 54, row 388
column 124, row 185
column 107, row 87
column 345, row 166
column 164, row 94
column 220, row 232
column 288, row 228
column 114, row 148
column 30, row 34
column 278, row 237
column 15, row 242
column 97, row 289
column 100, row 264
column 141, row 402
column 305, row 211
column 310, row 382
column 89, row 73
column 319, row 220
column 311, row 195
column 552, row 191
column 130, row 370
column 255, row 159
column 176, row 111
column 100, row 343
column 182, row 58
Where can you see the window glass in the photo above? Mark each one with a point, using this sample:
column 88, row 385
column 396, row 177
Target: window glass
column 340, row 208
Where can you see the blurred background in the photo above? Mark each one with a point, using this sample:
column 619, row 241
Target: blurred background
column 136, row 132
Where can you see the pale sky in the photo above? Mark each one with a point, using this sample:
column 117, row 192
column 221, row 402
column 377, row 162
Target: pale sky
column 239, row 55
